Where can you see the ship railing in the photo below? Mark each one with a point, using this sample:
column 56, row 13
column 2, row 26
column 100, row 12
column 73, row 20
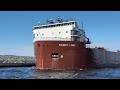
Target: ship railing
column 51, row 38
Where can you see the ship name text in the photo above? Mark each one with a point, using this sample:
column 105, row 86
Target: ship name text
column 67, row 45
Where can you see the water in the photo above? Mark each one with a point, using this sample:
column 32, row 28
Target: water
column 32, row 73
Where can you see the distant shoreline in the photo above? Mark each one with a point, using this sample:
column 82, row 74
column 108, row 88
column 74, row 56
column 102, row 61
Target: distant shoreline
column 16, row 61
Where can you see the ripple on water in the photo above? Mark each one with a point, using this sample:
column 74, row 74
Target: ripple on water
column 32, row 73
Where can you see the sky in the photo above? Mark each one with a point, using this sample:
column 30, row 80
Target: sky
column 16, row 37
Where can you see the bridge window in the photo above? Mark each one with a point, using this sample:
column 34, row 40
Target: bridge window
column 72, row 22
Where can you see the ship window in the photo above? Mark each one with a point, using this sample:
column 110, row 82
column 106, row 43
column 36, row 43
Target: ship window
column 42, row 34
column 59, row 32
column 37, row 34
column 38, row 45
column 54, row 55
column 66, row 31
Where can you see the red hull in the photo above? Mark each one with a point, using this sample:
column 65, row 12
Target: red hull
column 61, row 55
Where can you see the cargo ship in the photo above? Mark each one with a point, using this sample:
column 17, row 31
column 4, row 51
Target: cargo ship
column 61, row 45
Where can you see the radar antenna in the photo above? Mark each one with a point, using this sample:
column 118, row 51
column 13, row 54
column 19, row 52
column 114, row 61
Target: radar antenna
column 59, row 19
column 50, row 21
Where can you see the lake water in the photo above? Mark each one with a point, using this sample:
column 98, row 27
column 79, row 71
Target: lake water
column 32, row 73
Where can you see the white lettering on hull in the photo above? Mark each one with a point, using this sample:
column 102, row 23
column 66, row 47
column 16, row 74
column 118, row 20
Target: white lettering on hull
column 67, row 45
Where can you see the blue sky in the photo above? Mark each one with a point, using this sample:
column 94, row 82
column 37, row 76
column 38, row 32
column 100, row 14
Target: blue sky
column 102, row 27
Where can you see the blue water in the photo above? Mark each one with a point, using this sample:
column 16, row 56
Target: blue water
column 32, row 73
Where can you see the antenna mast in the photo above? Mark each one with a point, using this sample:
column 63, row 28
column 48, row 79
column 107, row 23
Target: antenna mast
column 82, row 24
